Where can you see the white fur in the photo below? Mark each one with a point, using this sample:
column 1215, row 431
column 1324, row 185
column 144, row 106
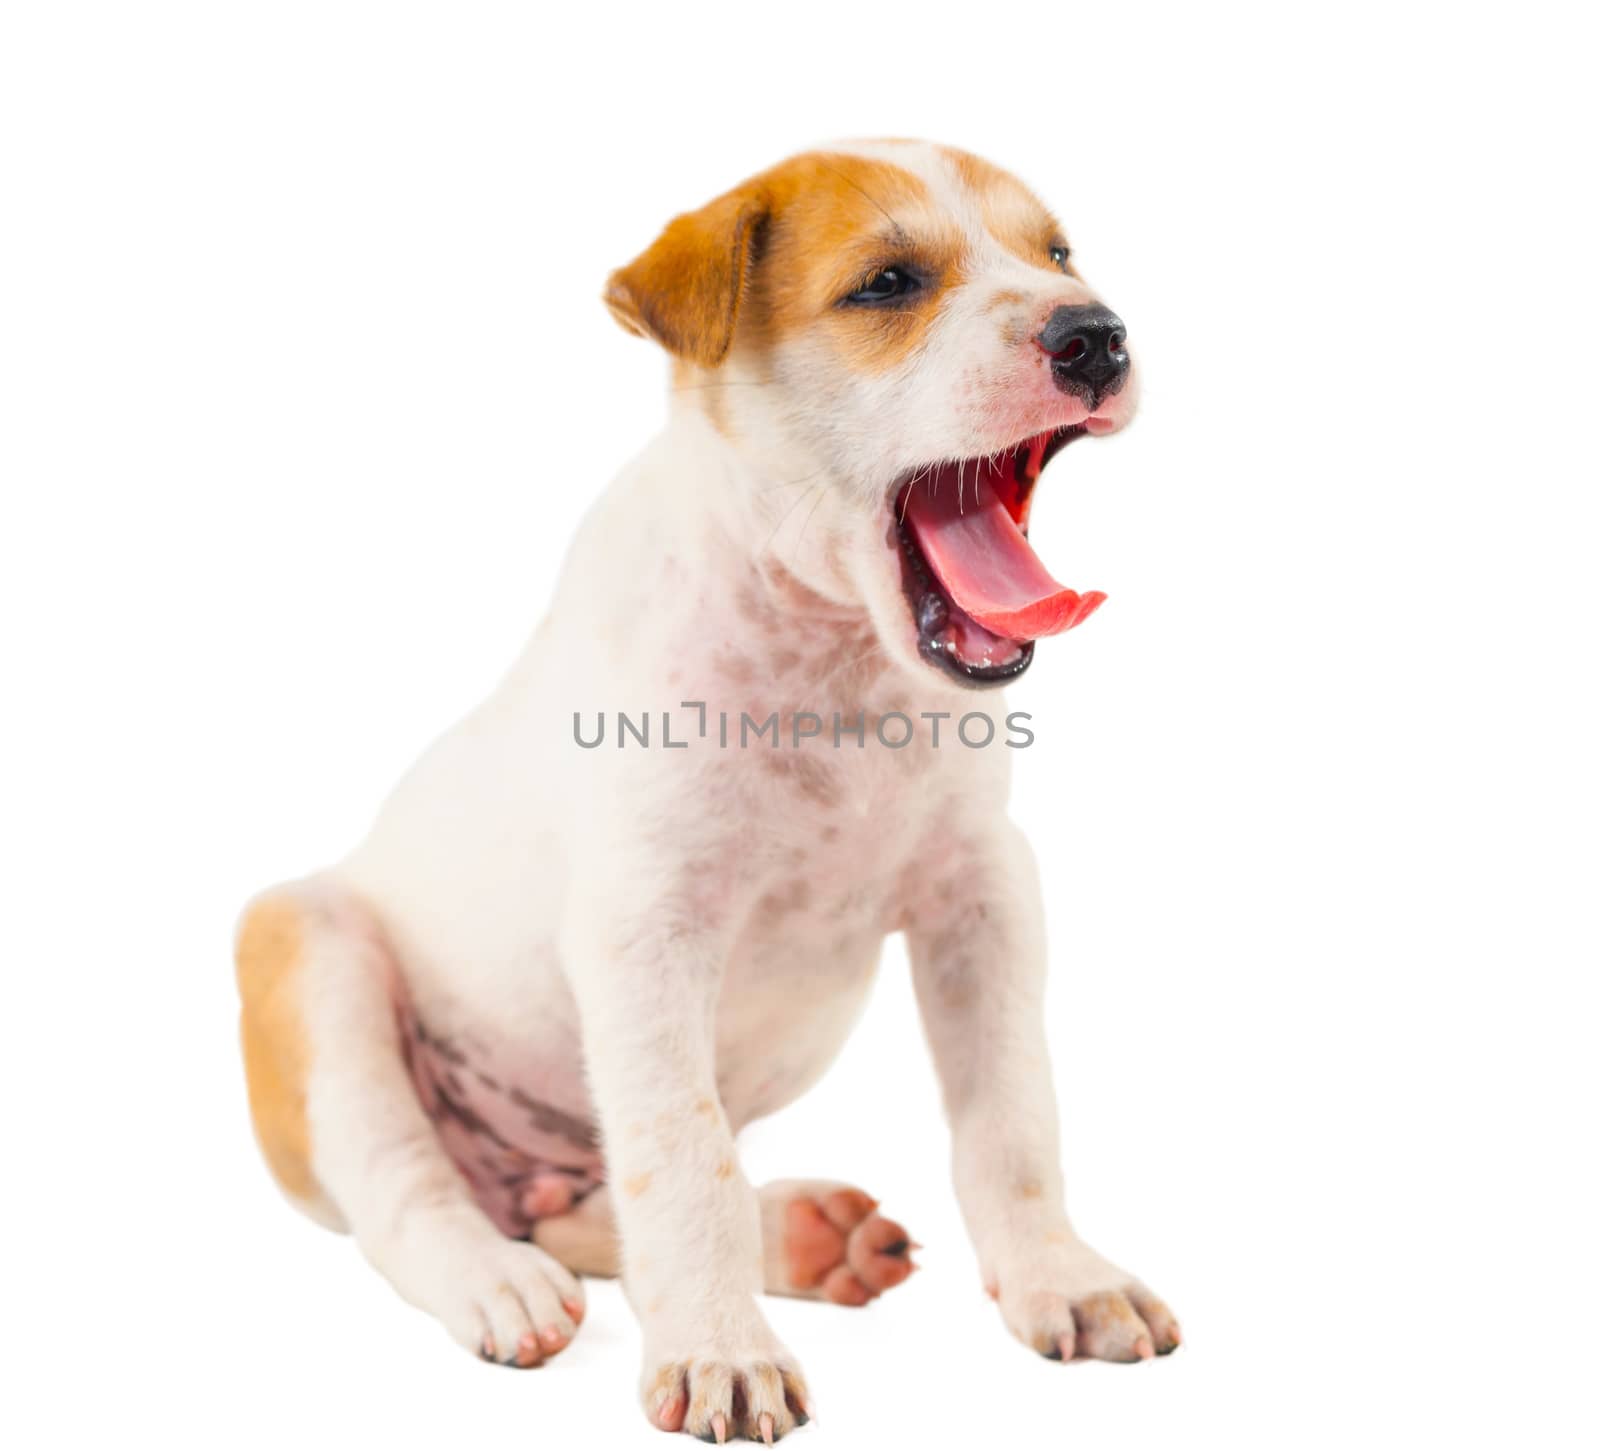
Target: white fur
column 682, row 939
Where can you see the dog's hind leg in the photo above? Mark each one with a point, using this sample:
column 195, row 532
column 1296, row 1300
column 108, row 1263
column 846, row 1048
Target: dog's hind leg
column 585, row 1238
column 343, row 1130
column 826, row 1241
column 819, row 1241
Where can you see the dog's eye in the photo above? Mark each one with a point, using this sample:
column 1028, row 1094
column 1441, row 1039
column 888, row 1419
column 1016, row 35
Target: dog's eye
column 885, row 286
column 1059, row 254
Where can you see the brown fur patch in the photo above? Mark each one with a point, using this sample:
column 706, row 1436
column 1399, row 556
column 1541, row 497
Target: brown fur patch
column 685, row 289
column 775, row 257
column 268, row 961
column 636, row 1186
column 1013, row 215
column 837, row 221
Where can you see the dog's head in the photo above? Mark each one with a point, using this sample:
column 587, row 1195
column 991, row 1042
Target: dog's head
column 896, row 334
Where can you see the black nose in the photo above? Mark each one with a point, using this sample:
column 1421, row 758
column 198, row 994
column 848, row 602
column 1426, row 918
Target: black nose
column 1088, row 349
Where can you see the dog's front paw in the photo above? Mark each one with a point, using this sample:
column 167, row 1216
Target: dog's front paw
column 1068, row 1302
column 507, row 1300
column 740, row 1385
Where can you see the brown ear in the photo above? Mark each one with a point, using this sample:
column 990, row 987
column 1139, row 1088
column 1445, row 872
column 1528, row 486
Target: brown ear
column 684, row 290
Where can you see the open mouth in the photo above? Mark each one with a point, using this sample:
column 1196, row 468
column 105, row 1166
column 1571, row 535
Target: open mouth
column 979, row 594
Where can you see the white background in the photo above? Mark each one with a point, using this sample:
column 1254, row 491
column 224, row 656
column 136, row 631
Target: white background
column 303, row 387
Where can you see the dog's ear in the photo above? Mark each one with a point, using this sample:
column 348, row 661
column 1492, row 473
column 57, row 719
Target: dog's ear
column 685, row 289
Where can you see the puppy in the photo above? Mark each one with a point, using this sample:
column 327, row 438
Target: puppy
column 511, row 1038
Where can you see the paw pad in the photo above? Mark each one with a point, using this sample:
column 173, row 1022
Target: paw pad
column 840, row 1246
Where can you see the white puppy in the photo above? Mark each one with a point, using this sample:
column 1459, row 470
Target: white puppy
column 522, row 1023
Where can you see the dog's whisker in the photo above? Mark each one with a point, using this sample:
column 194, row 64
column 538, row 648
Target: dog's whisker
column 900, row 231
column 806, row 524
column 838, row 670
column 783, row 519
column 788, row 483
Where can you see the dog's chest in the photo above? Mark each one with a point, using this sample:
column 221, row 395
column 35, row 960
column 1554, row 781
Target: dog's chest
column 841, row 833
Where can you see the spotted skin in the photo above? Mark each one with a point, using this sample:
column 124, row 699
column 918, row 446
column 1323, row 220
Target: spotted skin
column 524, row 1159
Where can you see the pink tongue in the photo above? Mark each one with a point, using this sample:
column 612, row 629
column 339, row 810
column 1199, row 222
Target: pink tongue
column 986, row 564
